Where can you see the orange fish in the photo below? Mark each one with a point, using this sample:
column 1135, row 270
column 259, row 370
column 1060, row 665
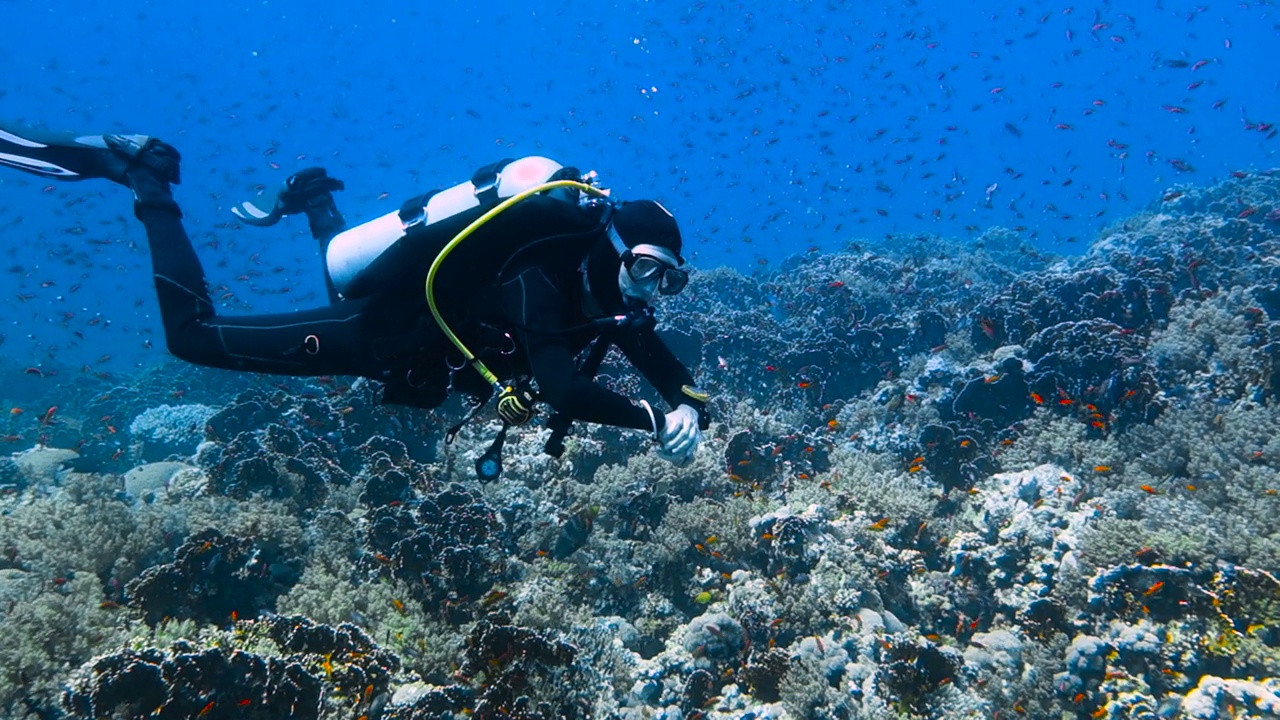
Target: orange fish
column 879, row 525
column 1037, row 399
column 1148, row 490
column 1102, row 468
column 1153, row 589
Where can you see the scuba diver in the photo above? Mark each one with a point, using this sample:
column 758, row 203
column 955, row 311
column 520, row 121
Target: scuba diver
column 525, row 266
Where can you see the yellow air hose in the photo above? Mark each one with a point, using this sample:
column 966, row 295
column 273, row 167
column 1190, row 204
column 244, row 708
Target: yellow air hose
column 466, row 232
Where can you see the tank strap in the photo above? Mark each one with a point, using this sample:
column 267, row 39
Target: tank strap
column 414, row 210
column 485, row 181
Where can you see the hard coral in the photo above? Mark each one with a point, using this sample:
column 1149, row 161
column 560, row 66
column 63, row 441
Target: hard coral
column 187, row 682
column 213, row 578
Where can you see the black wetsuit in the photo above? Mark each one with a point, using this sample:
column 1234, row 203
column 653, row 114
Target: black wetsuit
column 517, row 328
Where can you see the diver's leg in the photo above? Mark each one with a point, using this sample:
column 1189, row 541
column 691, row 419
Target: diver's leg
column 331, row 340
column 310, row 192
column 325, row 222
column 323, row 341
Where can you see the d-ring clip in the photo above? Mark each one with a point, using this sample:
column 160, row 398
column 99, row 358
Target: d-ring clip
column 311, row 344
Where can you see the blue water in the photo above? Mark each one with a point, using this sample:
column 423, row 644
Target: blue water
column 767, row 128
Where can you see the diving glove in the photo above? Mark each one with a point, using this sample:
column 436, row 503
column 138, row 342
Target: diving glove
column 306, row 191
column 680, row 433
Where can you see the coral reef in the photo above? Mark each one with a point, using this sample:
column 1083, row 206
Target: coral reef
column 943, row 480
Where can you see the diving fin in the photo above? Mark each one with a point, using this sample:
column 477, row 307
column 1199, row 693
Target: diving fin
column 256, row 216
column 68, row 156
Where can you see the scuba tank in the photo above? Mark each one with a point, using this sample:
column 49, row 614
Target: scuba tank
column 397, row 249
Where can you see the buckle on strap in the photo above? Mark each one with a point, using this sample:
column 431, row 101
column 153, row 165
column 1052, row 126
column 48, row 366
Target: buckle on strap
column 414, row 210
column 485, row 180
column 486, row 185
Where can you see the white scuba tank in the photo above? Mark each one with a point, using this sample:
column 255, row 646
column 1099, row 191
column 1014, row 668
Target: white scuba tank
column 352, row 251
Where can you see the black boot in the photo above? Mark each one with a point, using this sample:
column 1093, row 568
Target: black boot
column 307, row 192
column 323, row 216
column 152, row 169
column 67, row 156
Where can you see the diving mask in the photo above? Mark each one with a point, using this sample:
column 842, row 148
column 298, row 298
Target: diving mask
column 646, row 268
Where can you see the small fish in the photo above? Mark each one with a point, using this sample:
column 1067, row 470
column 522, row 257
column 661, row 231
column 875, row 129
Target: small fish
column 1153, row 589
column 879, row 525
column 1148, row 490
column 1102, row 468
column 988, row 327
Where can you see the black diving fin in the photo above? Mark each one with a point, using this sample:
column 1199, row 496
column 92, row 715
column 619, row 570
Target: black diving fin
column 68, row 156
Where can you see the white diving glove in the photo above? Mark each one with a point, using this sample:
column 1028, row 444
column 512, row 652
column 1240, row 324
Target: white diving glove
column 680, row 435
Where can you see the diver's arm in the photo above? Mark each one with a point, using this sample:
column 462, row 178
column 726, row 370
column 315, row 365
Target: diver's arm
column 656, row 363
column 534, row 303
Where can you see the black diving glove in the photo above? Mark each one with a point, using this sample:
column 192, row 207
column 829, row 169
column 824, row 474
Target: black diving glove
column 304, row 192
